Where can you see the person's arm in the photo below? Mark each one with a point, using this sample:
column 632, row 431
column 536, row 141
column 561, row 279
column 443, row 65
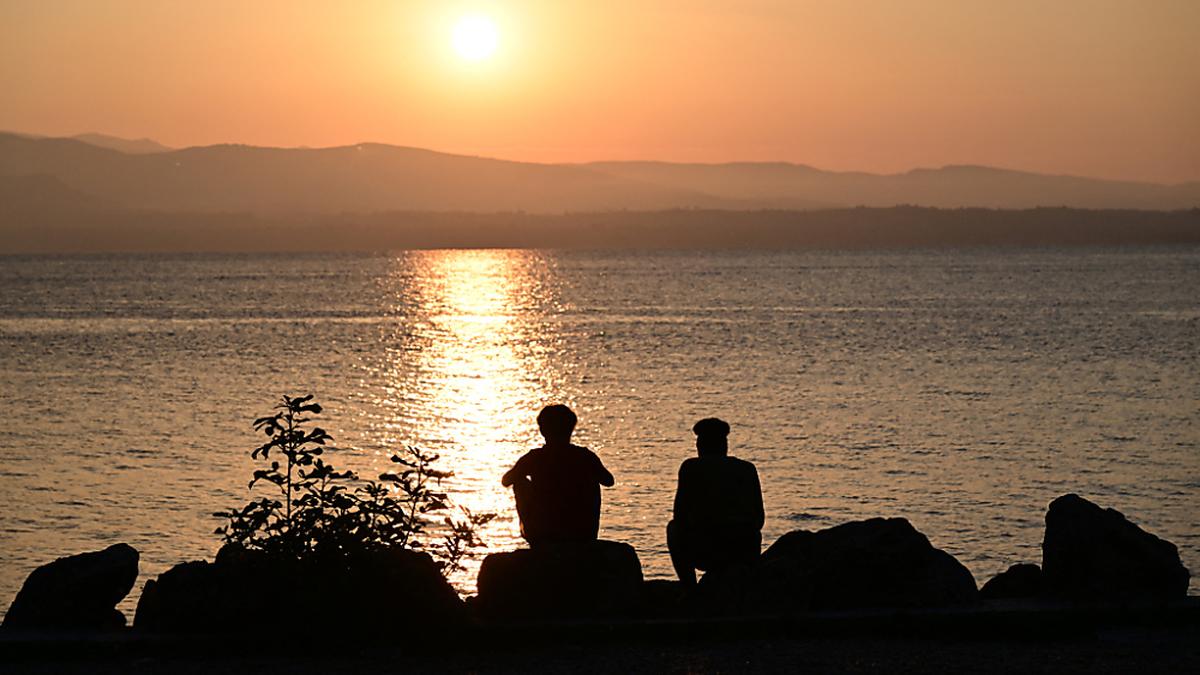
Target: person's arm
column 603, row 476
column 680, row 510
column 759, row 515
column 516, row 472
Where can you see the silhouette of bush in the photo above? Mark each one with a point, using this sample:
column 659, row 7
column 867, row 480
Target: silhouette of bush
column 322, row 512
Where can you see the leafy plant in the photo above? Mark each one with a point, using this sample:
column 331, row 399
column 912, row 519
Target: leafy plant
column 321, row 511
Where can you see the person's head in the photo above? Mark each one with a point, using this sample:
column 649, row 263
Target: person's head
column 712, row 437
column 556, row 422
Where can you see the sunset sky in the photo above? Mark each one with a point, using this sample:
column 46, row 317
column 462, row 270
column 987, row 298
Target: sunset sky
column 1106, row 88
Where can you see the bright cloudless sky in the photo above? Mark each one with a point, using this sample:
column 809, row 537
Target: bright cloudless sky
column 1105, row 88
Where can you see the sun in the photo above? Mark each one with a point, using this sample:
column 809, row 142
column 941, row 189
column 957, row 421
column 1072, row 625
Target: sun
column 475, row 37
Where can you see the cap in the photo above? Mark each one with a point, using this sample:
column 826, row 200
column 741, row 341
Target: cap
column 711, row 426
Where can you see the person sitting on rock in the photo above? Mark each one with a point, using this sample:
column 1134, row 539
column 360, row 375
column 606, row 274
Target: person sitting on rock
column 718, row 515
column 557, row 486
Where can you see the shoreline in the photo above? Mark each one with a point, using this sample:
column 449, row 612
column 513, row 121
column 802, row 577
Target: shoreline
column 893, row 228
column 996, row 636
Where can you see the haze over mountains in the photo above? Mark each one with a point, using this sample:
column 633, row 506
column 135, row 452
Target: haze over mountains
column 93, row 171
column 138, row 146
column 99, row 194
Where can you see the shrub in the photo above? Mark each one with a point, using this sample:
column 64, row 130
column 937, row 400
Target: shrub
column 321, row 511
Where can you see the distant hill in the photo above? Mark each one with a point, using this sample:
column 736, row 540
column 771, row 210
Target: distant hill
column 371, row 178
column 42, row 196
column 362, row 178
column 783, row 185
column 140, row 146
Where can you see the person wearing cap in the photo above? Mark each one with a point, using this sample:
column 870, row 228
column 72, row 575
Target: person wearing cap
column 718, row 515
column 557, row 486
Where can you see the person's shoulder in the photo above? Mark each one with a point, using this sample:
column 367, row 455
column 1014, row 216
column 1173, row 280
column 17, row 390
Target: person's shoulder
column 741, row 464
column 584, row 452
column 740, row 467
column 533, row 455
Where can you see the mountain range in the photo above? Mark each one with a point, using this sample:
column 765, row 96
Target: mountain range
column 96, row 172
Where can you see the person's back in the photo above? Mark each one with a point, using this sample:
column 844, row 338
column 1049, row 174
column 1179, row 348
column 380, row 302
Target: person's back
column 718, row 513
column 566, row 481
column 718, row 493
column 557, row 486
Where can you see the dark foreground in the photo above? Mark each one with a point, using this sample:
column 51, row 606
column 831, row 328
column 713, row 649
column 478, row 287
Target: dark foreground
column 994, row 640
column 1117, row 652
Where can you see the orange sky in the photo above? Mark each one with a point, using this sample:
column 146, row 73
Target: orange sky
column 1095, row 87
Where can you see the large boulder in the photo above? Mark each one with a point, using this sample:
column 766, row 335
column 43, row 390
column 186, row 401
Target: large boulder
column 586, row 580
column 1023, row 580
column 665, row 599
column 246, row 590
column 79, row 591
column 881, row 562
column 1093, row 553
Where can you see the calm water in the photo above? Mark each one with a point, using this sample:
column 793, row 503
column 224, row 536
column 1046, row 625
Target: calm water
column 962, row 390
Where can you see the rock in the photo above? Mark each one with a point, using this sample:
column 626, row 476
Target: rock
column 594, row 579
column 664, row 599
column 1023, row 580
column 246, row 590
column 1092, row 553
column 79, row 591
column 872, row 563
column 194, row 597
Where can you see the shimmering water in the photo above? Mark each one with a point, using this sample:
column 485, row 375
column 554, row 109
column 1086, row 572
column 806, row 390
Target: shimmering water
column 963, row 390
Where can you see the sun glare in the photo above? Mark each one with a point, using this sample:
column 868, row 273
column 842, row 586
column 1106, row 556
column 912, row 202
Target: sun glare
column 475, row 37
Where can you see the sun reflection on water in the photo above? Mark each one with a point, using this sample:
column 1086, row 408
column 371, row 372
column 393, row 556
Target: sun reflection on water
column 470, row 377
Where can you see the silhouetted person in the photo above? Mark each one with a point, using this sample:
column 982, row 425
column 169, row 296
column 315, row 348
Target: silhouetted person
column 557, row 486
column 718, row 515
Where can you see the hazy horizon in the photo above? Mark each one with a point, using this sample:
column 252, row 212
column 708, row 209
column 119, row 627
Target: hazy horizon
column 128, row 145
column 1098, row 89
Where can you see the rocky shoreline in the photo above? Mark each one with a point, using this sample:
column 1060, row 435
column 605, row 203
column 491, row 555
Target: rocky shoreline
column 877, row 576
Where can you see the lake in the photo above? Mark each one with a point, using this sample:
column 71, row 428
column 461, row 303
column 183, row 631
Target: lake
column 961, row 389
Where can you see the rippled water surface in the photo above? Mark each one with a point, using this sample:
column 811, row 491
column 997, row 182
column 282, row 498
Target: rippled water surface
column 963, row 390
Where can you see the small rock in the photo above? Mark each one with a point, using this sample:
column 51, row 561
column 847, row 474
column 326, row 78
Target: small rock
column 1023, row 580
column 79, row 591
column 592, row 579
column 1093, row 553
